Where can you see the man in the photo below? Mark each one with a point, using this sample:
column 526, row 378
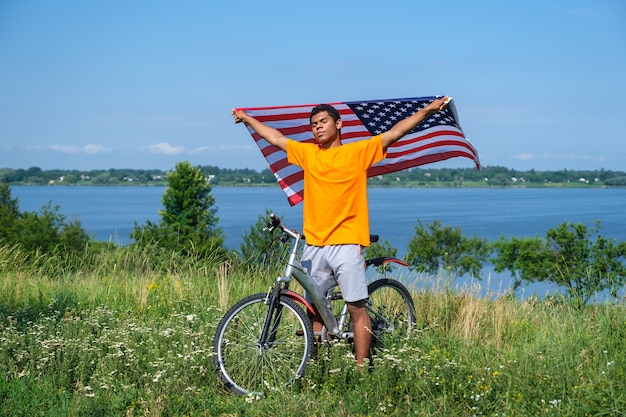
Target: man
column 336, row 218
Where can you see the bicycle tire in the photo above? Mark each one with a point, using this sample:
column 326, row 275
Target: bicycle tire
column 243, row 366
column 391, row 310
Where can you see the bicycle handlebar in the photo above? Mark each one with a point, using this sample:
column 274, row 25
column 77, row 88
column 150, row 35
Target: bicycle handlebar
column 276, row 223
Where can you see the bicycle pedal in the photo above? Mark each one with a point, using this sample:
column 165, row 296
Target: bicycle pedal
column 318, row 337
column 300, row 332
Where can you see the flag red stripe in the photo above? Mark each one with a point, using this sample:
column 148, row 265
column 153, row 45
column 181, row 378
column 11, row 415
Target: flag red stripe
column 417, row 149
column 423, row 160
column 291, row 179
column 426, row 136
column 296, row 198
column 270, row 108
column 278, row 165
column 270, row 118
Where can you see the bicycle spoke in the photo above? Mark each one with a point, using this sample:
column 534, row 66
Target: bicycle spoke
column 246, row 366
column 391, row 310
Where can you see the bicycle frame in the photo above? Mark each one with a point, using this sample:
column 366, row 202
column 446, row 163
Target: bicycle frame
column 320, row 304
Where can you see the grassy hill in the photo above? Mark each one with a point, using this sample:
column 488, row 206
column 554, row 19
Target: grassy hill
column 133, row 337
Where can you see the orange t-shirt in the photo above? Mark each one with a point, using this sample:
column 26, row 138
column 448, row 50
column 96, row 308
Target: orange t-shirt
column 335, row 190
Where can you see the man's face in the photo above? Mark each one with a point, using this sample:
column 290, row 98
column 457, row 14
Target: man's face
column 325, row 129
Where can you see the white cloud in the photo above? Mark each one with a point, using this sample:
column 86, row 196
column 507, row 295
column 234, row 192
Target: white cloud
column 87, row 149
column 524, row 156
column 222, row 148
column 94, row 149
column 164, row 148
column 201, row 149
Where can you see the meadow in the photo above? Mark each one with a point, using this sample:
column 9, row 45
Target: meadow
column 133, row 337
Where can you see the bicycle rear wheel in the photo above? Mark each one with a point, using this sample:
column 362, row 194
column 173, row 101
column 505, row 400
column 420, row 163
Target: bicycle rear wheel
column 247, row 366
column 391, row 310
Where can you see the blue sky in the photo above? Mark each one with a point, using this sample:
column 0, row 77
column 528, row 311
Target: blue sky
column 145, row 84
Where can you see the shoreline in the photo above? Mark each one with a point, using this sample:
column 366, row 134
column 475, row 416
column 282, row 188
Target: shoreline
column 442, row 185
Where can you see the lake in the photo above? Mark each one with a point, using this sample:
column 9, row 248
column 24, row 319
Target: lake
column 110, row 213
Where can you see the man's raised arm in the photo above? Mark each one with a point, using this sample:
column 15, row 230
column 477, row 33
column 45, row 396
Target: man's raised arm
column 406, row 125
column 270, row 134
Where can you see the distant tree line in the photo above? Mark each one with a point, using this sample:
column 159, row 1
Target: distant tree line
column 490, row 176
column 496, row 176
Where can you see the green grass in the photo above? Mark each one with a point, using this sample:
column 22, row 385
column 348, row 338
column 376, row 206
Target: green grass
column 133, row 337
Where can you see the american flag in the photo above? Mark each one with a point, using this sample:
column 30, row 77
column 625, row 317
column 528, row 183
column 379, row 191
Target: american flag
column 437, row 138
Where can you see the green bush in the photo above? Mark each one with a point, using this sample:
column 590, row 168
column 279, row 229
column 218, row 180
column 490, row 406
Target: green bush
column 435, row 248
column 46, row 232
column 567, row 256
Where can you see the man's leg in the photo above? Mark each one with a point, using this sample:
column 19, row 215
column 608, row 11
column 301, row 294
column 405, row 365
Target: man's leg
column 362, row 327
column 316, row 322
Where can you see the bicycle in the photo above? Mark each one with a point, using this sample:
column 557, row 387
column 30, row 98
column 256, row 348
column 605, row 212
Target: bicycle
column 265, row 340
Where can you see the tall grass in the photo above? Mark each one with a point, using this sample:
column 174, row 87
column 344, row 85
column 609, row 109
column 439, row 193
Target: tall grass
column 129, row 333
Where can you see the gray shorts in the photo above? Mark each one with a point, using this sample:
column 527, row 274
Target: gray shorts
column 334, row 265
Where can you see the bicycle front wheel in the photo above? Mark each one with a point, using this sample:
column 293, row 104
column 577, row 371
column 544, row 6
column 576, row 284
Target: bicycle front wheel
column 248, row 365
column 391, row 310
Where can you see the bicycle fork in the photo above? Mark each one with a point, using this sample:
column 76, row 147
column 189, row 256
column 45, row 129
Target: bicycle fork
column 272, row 319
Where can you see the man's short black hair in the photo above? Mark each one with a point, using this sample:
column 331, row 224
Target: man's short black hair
column 332, row 112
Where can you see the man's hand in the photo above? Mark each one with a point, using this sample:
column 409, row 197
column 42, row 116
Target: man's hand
column 239, row 115
column 406, row 125
column 438, row 104
column 268, row 133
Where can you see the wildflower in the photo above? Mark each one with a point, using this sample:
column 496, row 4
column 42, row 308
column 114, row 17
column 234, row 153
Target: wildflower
column 158, row 376
column 89, row 391
column 252, row 397
column 554, row 403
